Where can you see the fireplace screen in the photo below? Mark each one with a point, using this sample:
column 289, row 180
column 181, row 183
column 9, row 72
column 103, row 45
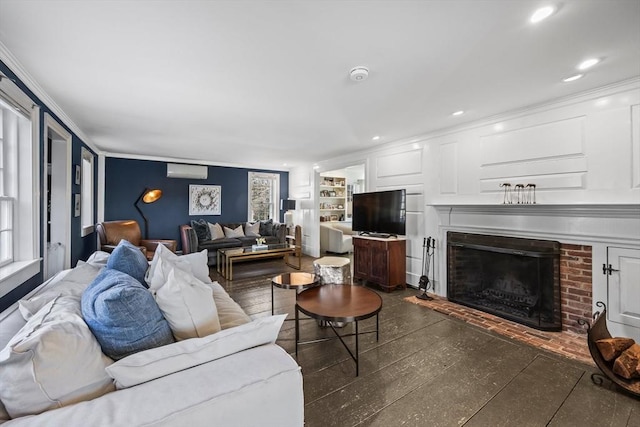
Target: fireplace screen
column 518, row 279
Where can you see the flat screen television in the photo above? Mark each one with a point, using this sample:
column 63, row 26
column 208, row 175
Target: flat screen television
column 380, row 213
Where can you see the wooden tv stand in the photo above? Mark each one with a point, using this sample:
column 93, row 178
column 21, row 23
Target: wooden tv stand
column 380, row 261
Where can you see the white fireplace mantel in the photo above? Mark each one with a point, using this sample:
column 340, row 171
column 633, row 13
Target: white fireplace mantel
column 580, row 224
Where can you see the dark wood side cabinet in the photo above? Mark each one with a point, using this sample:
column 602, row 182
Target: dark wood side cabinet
column 380, row 261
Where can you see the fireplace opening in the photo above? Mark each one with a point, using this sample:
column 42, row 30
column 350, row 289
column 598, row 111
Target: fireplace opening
column 514, row 278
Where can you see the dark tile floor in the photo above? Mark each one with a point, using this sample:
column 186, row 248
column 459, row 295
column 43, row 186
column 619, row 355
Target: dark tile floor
column 429, row 369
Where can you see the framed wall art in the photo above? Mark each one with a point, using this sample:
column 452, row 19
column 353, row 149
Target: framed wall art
column 76, row 205
column 205, row 200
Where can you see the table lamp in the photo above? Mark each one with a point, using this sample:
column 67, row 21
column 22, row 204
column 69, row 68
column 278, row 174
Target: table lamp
column 288, row 205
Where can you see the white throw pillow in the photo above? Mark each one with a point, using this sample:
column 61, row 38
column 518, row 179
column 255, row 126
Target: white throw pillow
column 216, row 231
column 236, row 232
column 188, row 306
column 53, row 361
column 98, row 258
column 252, row 230
column 74, row 283
column 164, row 261
column 229, row 312
column 161, row 361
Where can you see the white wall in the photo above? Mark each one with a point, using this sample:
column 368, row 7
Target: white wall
column 580, row 150
column 302, row 186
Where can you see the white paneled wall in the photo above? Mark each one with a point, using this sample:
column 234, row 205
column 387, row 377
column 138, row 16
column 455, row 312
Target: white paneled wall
column 581, row 150
column 402, row 167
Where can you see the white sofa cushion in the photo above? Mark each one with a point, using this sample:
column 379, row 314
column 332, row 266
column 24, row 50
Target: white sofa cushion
column 74, row 283
column 231, row 391
column 229, row 312
column 164, row 261
column 98, row 259
column 188, row 306
column 158, row 362
column 53, row 361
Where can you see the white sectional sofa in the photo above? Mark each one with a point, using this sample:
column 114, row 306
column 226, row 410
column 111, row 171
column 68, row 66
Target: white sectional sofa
column 235, row 377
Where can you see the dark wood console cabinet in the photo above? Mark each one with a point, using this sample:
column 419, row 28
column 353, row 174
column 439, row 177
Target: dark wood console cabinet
column 380, row 261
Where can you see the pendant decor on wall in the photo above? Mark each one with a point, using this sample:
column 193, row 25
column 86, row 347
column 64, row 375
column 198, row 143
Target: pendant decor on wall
column 205, row 200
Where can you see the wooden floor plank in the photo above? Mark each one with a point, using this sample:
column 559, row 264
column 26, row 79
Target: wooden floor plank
column 542, row 386
column 429, row 369
column 593, row 405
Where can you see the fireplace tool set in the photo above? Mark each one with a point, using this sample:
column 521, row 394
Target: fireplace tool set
column 428, row 245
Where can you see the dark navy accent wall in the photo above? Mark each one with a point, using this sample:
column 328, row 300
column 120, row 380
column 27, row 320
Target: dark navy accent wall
column 81, row 247
column 125, row 179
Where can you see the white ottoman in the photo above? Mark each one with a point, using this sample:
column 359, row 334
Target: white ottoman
column 333, row 270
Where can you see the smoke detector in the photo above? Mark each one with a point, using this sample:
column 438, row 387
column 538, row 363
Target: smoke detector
column 359, row 74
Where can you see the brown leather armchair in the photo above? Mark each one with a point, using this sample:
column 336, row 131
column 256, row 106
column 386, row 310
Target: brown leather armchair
column 111, row 232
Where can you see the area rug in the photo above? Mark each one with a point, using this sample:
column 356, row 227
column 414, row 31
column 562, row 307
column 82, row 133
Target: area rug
column 567, row 344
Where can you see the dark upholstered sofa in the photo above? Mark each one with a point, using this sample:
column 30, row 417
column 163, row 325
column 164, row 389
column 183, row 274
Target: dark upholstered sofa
column 273, row 232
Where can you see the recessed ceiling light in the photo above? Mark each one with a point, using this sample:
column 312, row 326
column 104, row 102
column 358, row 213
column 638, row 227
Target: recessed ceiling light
column 542, row 14
column 316, row 167
column 458, row 113
column 375, row 138
column 588, row 63
column 498, row 127
column 573, row 78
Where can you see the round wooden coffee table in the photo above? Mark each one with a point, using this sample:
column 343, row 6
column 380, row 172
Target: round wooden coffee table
column 296, row 280
column 339, row 303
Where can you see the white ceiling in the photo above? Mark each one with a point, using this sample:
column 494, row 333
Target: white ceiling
column 266, row 82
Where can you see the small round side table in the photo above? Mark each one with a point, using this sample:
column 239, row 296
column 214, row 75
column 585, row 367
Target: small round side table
column 296, row 280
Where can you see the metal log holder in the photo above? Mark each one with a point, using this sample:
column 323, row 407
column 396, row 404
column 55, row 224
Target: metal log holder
column 596, row 331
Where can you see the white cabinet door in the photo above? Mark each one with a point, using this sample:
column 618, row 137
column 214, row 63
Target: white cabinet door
column 623, row 285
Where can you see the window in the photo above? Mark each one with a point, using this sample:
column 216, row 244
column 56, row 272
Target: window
column 86, row 193
column 19, row 177
column 264, row 193
column 6, row 200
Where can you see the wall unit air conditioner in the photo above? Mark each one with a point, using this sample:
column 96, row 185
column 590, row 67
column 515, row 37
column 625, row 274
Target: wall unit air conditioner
column 179, row 170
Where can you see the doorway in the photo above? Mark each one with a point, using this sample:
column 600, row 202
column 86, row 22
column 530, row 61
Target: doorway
column 335, row 203
column 57, row 188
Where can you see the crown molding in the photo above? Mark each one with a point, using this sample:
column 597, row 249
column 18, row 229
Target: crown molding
column 193, row 161
column 21, row 73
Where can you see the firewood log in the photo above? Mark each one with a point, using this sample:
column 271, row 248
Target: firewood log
column 626, row 365
column 610, row 348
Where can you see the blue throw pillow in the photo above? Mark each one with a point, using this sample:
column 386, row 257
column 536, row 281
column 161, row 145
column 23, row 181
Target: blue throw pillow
column 130, row 260
column 123, row 315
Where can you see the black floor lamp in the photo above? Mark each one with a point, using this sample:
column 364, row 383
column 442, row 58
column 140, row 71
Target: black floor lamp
column 147, row 196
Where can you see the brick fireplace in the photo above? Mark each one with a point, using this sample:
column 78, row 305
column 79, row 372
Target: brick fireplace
column 576, row 294
column 472, row 258
column 514, row 278
column 585, row 233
